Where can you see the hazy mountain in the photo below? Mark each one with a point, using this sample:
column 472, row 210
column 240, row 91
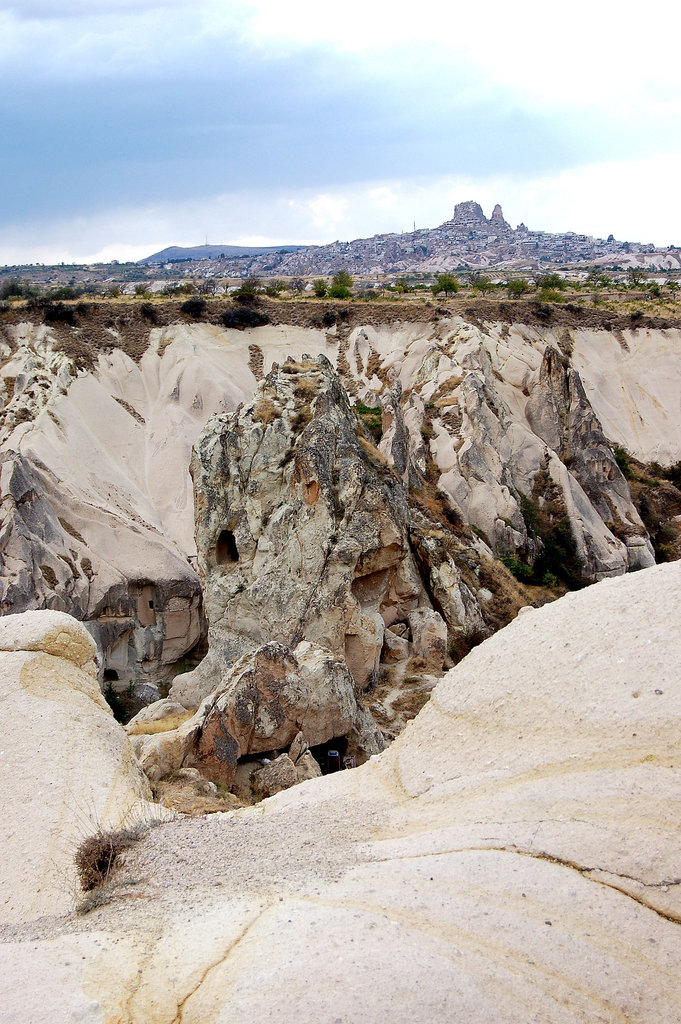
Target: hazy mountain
column 175, row 253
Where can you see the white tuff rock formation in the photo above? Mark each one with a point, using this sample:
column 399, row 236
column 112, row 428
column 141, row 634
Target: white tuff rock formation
column 304, row 532
column 67, row 767
column 96, row 515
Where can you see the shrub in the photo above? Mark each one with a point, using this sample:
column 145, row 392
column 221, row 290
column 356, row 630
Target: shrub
column 149, row 312
column 552, row 282
column 248, row 290
column 194, row 307
column 341, row 283
column 242, row 317
column 67, row 291
column 275, row 287
column 445, row 283
column 623, row 460
column 519, row 569
column 57, row 313
column 319, row 287
column 550, row 295
column 339, row 291
column 16, row 289
column 518, row 287
column 372, row 419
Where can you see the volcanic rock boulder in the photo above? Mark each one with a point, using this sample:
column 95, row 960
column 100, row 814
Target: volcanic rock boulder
column 271, row 700
column 305, row 532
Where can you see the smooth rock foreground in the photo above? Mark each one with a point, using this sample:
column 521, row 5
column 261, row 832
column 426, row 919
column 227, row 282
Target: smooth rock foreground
column 66, row 766
column 512, row 857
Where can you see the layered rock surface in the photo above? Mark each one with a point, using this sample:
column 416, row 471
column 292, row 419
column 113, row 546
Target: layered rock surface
column 511, row 857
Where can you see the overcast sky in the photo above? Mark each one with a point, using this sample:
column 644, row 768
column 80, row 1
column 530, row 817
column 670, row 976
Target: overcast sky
column 129, row 125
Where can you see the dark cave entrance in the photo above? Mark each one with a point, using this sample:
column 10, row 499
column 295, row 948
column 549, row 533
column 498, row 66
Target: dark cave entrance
column 226, row 551
column 329, row 756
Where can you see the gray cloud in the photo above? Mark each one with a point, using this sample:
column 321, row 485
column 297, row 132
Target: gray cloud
column 51, row 11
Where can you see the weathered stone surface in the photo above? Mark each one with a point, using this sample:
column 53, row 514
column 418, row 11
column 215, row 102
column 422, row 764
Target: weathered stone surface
column 272, row 778
column 395, row 648
column 429, row 637
column 517, row 847
column 304, row 531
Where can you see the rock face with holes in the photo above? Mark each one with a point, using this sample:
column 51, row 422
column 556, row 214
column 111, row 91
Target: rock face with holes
column 513, row 423
column 305, row 532
column 272, row 700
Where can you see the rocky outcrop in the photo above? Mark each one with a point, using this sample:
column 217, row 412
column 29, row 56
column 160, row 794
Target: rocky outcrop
column 272, row 700
column 97, row 516
column 517, row 847
column 267, row 700
column 502, row 437
column 305, row 532
column 559, row 412
column 143, row 608
column 68, row 768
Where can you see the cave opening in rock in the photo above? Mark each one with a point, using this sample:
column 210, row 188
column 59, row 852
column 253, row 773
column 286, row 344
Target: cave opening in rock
column 226, row 550
column 329, row 756
column 110, row 675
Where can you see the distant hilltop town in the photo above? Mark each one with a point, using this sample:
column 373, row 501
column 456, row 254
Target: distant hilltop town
column 468, row 241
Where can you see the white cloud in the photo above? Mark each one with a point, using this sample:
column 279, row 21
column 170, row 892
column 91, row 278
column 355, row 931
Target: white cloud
column 598, row 200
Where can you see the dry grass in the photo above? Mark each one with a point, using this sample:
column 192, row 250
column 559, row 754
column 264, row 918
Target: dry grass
column 265, row 411
column 162, row 725
column 97, row 855
column 307, row 388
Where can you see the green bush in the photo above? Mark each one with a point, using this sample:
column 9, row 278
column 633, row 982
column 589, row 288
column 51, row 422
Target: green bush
column 371, row 418
column 341, row 283
column 623, row 460
column 319, row 287
column 339, row 291
column 519, row 569
column 518, row 287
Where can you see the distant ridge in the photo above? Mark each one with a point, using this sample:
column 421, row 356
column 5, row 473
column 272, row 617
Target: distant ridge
column 469, row 241
column 179, row 253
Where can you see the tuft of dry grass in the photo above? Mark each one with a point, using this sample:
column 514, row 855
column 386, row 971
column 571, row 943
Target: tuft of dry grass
column 97, row 855
column 265, row 411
